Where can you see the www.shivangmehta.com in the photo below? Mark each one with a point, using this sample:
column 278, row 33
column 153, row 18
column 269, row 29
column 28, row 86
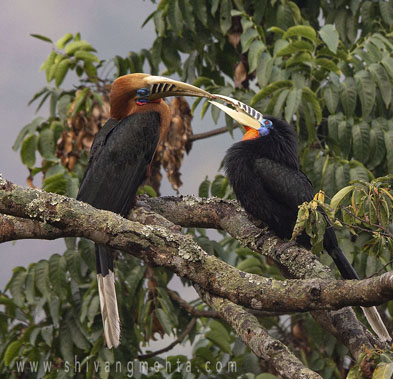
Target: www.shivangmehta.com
column 129, row 368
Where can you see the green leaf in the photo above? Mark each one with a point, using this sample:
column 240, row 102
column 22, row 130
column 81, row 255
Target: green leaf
column 277, row 30
column 331, row 95
column 383, row 370
column 47, row 334
column 312, row 98
column 256, row 49
column 72, row 47
column 204, row 188
column 339, row 197
column 329, row 35
column 361, row 142
column 54, row 310
column 86, row 56
column 381, row 77
column 302, row 58
column 345, row 137
column 42, row 277
column 348, row 96
column 264, row 69
column 249, row 264
column 302, row 31
column 77, row 336
column 79, row 100
column 159, row 22
column 277, row 102
column 219, row 186
column 386, row 10
column 90, row 69
column 366, row 90
column 219, row 336
column 42, row 38
column 328, row 65
column 389, row 150
column 292, row 104
column 164, row 320
column 61, row 71
column 57, row 275
column 271, row 88
column 66, row 345
column 46, row 144
column 201, row 12
column 11, row 352
column 47, row 64
column 63, row 40
column 93, row 309
column 342, row 176
column 295, row 47
column 387, row 62
column 225, row 16
column 377, row 147
column 247, row 38
column 56, row 183
column 17, row 286
column 28, row 149
column 27, row 129
column 175, row 16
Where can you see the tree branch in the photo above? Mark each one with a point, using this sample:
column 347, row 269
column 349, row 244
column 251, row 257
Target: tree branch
column 178, row 252
column 211, row 133
column 254, row 335
column 166, row 246
column 294, row 262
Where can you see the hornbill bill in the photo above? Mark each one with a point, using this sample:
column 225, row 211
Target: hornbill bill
column 264, row 172
column 119, row 160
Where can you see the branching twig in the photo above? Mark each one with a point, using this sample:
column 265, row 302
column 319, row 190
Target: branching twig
column 215, row 132
column 178, row 340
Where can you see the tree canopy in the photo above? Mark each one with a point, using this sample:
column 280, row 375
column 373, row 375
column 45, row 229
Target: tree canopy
column 324, row 66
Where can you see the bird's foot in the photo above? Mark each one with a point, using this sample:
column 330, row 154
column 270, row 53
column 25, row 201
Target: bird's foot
column 284, row 246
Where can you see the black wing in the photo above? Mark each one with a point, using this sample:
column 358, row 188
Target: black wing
column 119, row 157
column 285, row 185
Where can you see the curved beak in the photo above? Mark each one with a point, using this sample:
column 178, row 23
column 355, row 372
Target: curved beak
column 162, row 87
column 240, row 112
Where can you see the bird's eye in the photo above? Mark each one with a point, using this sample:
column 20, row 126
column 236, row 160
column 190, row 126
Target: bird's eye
column 143, row 92
column 266, row 123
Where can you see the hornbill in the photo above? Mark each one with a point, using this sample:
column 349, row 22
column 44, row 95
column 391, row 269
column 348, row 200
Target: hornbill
column 264, row 172
column 119, row 161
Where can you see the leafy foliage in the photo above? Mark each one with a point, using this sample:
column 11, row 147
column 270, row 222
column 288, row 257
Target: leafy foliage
column 331, row 79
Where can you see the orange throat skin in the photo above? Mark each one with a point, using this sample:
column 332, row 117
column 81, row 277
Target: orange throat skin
column 251, row 133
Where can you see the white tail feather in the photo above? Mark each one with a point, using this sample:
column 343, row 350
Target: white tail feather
column 374, row 319
column 109, row 310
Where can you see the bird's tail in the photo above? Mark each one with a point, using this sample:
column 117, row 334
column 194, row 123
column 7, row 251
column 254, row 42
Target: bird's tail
column 371, row 313
column 107, row 292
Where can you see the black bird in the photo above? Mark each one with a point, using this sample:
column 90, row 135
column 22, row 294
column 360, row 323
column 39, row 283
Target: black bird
column 120, row 156
column 264, row 172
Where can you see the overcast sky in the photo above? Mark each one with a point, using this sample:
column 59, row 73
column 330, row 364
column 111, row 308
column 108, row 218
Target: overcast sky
column 112, row 27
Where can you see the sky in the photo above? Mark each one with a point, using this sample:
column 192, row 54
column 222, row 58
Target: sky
column 113, row 28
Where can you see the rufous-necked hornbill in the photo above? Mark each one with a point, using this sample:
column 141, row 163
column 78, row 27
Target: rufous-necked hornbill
column 264, row 172
column 120, row 156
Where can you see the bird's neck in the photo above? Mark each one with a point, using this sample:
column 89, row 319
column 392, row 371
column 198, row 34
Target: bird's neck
column 278, row 148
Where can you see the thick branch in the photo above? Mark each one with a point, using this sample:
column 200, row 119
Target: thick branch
column 160, row 246
column 178, row 252
column 293, row 261
column 254, row 335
